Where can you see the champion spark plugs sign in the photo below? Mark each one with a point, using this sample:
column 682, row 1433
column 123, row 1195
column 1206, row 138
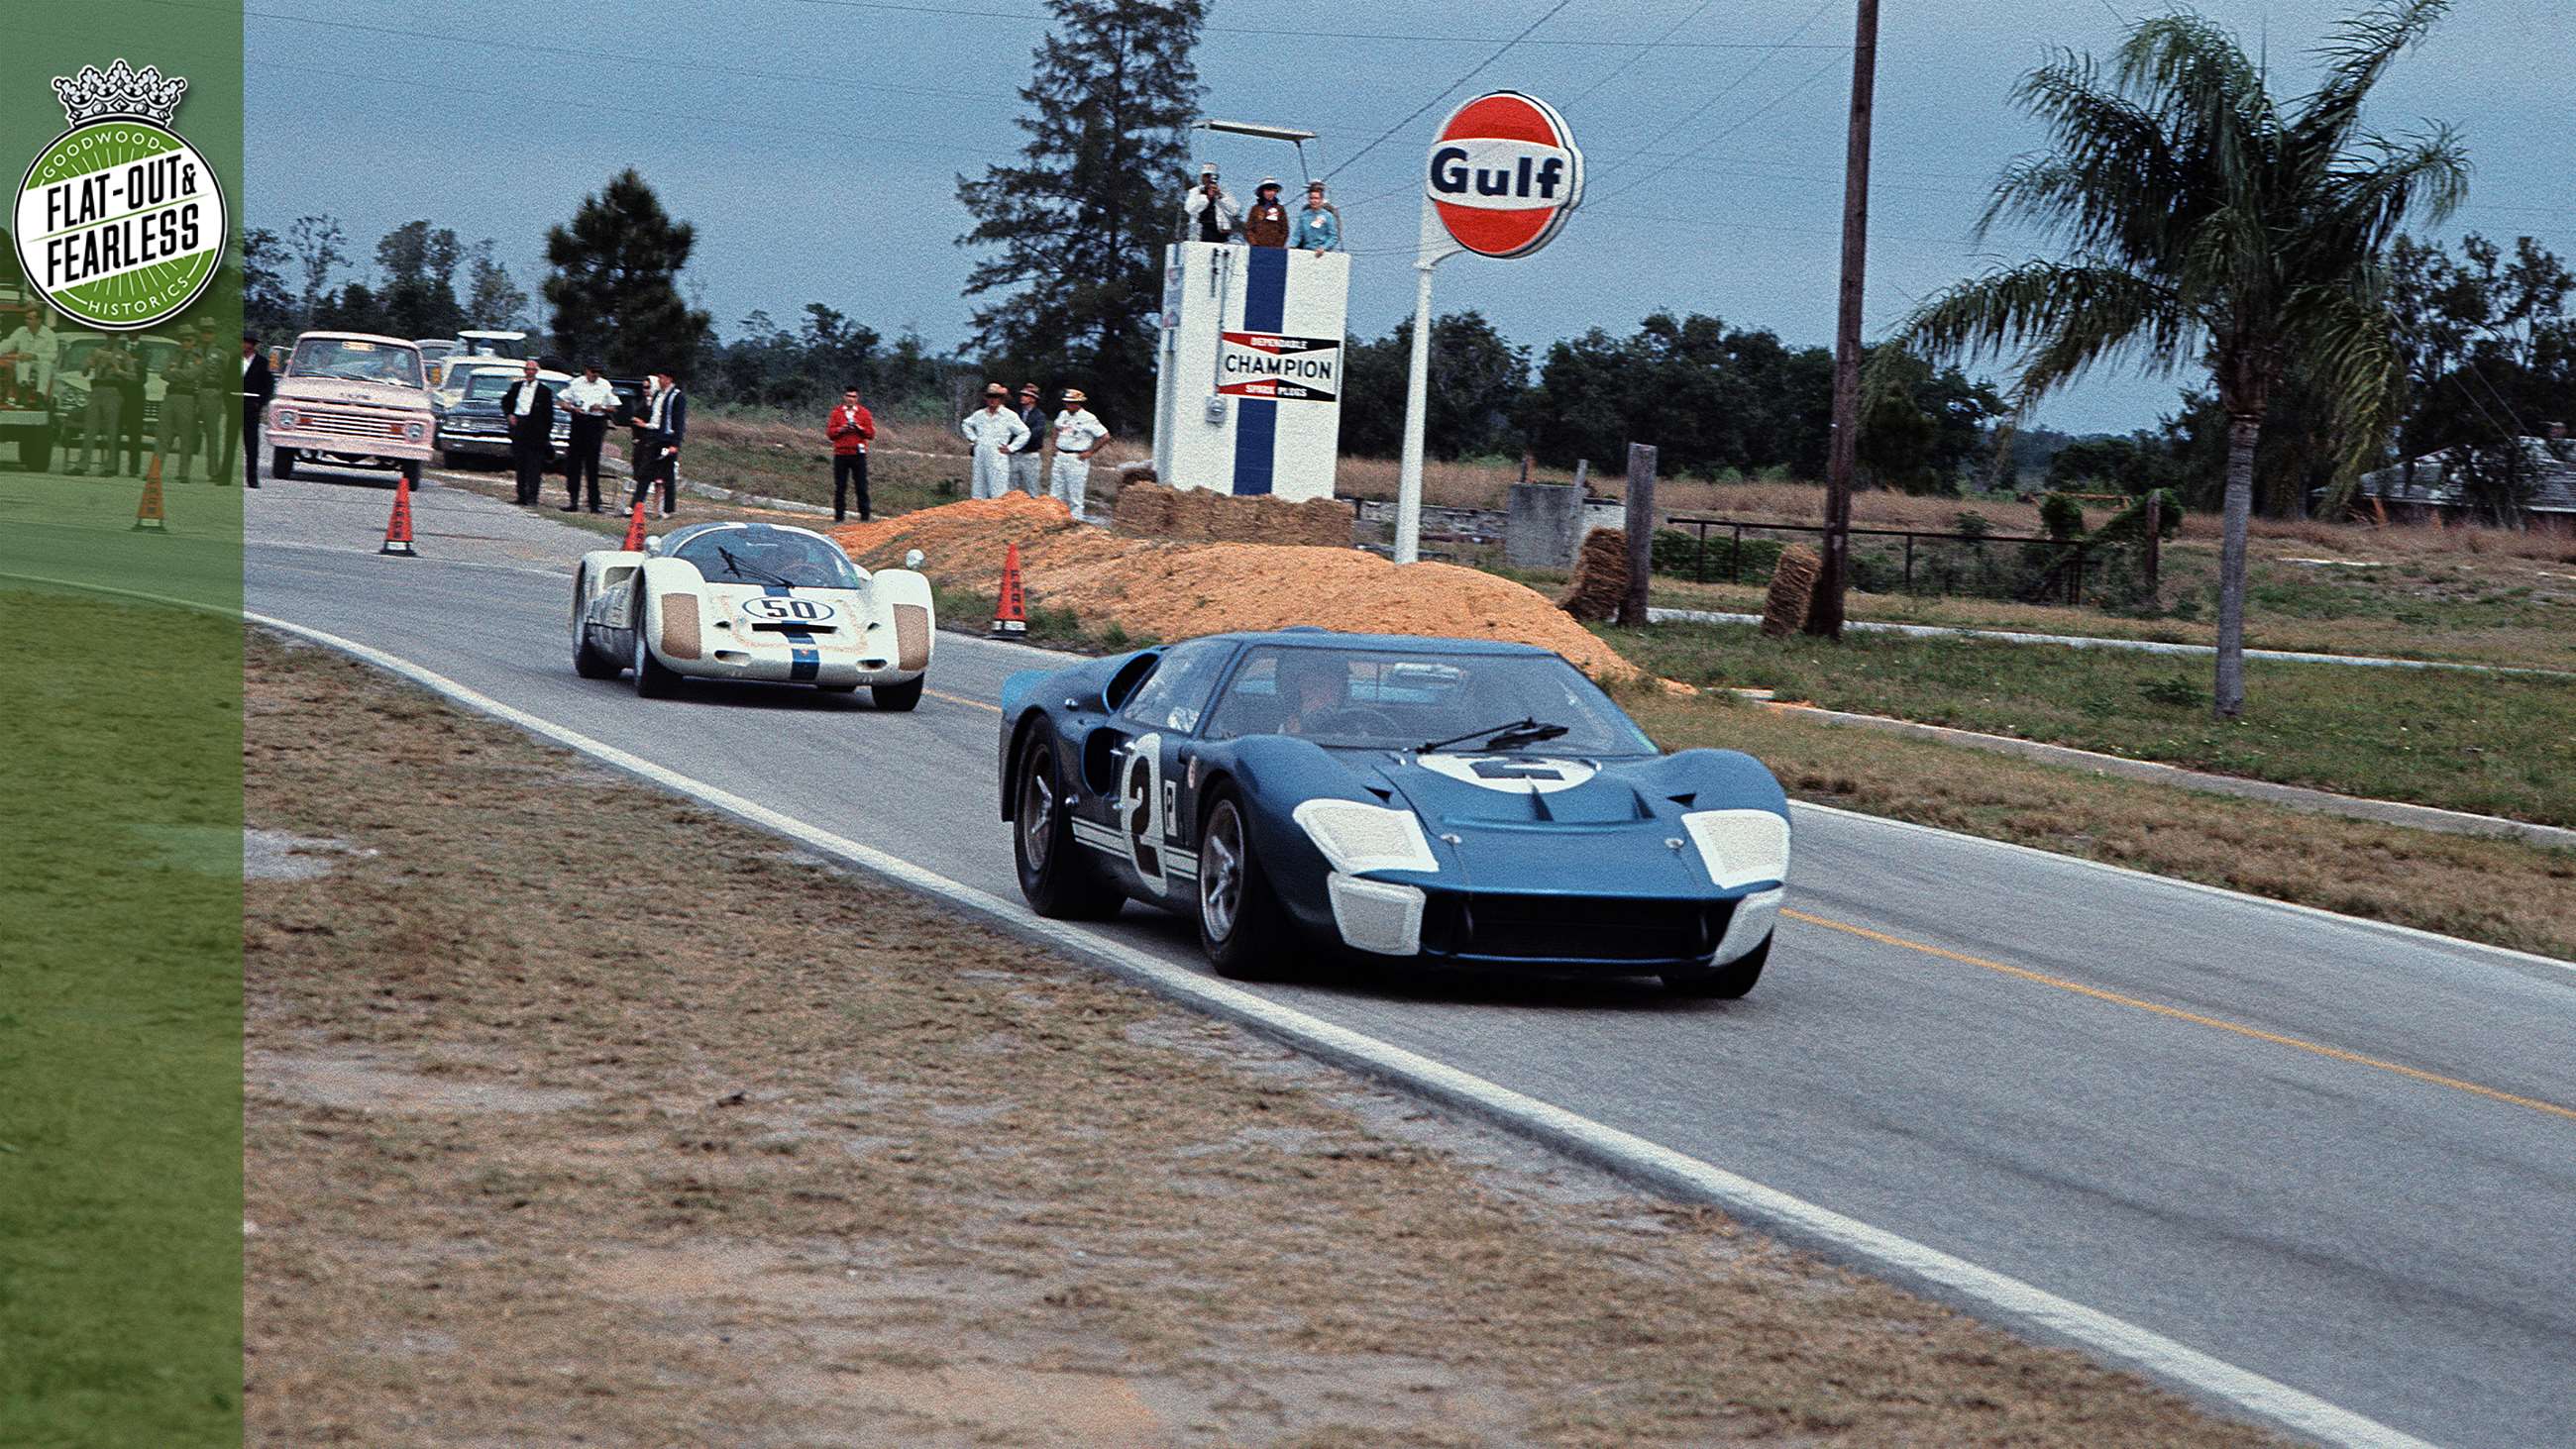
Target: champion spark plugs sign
column 1292, row 369
column 1504, row 174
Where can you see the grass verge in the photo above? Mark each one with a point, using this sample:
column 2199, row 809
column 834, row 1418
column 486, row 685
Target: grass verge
column 672, row 1136
column 2492, row 744
column 2501, row 892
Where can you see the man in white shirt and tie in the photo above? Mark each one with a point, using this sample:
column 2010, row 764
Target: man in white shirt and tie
column 529, row 407
column 590, row 400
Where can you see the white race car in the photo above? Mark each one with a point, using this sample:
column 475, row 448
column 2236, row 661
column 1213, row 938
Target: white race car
column 752, row 601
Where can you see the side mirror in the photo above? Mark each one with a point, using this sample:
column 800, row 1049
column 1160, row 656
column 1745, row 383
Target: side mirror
column 912, row 558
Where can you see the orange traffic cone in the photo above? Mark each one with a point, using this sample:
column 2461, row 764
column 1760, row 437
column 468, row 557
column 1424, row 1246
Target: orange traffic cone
column 147, row 514
column 398, row 528
column 635, row 530
column 1010, row 612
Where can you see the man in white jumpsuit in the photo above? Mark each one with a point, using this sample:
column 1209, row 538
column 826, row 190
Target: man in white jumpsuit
column 994, row 430
column 36, row 346
column 1078, row 435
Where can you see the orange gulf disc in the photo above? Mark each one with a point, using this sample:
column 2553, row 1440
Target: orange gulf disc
column 1503, row 173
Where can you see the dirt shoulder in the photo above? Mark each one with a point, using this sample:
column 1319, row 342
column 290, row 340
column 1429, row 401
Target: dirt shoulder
column 577, row 1114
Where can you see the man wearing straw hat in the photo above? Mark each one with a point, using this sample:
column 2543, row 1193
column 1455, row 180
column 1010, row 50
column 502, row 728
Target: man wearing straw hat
column 1025, row 475
column 1078, row 435
column 995, row 431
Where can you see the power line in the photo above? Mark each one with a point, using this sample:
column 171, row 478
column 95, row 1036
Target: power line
column 1747, row 119
column 1729, row 89
column 890, row 5
column 1622, row 67
column 1477, row 70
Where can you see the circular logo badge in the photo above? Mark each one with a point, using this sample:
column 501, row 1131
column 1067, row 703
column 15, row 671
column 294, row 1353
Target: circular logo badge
column 1504, row 174
column 121, row 224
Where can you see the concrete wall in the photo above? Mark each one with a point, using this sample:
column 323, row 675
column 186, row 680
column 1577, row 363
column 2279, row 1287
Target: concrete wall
column 1540, row 526
column 1248, row 381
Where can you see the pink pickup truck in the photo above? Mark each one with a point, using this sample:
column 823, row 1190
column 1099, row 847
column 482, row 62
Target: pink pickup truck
column 352, row 399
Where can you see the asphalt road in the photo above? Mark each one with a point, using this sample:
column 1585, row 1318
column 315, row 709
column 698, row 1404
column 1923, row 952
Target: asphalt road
column 2331, row 1153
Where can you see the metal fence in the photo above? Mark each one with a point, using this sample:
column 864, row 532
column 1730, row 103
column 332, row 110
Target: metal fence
column 2026, row 567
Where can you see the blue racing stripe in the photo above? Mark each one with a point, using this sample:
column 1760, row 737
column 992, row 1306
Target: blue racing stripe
column 804, row 661
column 1256, row 430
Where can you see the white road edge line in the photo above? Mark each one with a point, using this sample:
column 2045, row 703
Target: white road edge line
column 1631, row 1156
column 2417, row 933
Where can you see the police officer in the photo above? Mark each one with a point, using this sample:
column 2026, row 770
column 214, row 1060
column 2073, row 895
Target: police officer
column 218, row 391
column 108, row 367
column 179, row 430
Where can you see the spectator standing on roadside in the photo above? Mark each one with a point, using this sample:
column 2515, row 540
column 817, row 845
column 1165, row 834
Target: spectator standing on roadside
column 590, row 400
column 851, row 427
column 1266, row 224
column 1078, row 435
column 529, row 407
column 996, row 432
column 661, row 425
column 1319, row 223
column 1027, row 474
column 103, row 421
column 1208, row 214
column 258, row 385
column 135, row 391
column 179, row 409
column 218, row 390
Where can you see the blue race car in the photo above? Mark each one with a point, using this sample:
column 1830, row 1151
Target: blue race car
column 1442, row 800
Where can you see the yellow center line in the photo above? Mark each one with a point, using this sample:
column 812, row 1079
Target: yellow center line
column 2178, row 1014
column 961, row 699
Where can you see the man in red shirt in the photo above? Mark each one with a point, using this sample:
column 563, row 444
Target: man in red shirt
column 850, row 427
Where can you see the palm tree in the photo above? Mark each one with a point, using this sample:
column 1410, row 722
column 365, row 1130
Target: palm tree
column 2202, row 221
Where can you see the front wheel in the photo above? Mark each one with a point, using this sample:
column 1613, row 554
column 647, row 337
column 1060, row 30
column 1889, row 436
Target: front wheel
column 281, row 462
column 652, row 679
column 1054, row 876
column 585, row 660
column 1241, row 927
column 898, row 696
column 1721, row 983
column 411, row 472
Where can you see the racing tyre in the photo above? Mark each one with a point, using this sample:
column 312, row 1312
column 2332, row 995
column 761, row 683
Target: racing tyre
column 653, row 680
column 585, row 660
column 1054, row 875
column 898, row 696
column 281, row 462
column 1721, row 983
column 1241, row 927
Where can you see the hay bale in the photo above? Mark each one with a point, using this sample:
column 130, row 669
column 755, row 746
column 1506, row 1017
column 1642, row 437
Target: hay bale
column 1143, row 511
column 1600, row 576
column 1793, row 591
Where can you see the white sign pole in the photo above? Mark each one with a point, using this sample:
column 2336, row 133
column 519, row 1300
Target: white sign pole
column 1433, row 248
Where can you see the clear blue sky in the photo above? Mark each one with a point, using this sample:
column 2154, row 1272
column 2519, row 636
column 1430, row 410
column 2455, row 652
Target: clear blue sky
column 816, row 143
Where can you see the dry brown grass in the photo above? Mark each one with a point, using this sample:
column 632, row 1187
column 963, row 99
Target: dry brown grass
column 2496, row 891
column 669, row 1137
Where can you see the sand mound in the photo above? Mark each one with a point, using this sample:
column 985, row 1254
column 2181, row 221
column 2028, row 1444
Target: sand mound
column 1178, row 590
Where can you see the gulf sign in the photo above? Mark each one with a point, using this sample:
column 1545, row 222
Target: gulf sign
column 1504, row 174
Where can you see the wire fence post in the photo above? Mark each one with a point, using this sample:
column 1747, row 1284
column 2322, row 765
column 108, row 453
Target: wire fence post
column 1909, row 563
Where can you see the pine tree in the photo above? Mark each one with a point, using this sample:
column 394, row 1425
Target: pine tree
column 495, row 300
column 1081, row 220
column 615, row 286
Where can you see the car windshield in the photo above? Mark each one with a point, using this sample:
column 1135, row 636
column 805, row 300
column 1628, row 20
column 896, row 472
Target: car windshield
column 1394, row 699
column 355, row 359
column 762, row 555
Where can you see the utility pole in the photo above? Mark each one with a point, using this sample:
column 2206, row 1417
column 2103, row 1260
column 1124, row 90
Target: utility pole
column 1826, row 618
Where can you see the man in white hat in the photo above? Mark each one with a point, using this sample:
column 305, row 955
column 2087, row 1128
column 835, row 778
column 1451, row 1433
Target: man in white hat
column 1208, row 214
column 995, row 431
column 1078, row 435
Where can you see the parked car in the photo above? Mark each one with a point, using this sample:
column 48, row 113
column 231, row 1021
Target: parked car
column 352, row 399
column 1469, row 802
column 434, row 353
column 470, row 424
column 71, row 387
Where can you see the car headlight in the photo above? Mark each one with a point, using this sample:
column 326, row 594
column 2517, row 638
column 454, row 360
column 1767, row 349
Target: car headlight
column 1355, row 837
column 416, row 431
column 284, row 417
column 1740, row 847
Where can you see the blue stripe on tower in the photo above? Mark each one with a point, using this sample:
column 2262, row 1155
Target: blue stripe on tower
column 1256, row 419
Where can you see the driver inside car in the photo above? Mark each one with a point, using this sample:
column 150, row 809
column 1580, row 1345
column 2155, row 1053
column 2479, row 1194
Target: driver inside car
column 1313, row 687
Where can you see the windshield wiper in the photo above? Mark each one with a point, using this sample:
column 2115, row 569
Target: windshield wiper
column 743, row 570
column 1501, row 736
